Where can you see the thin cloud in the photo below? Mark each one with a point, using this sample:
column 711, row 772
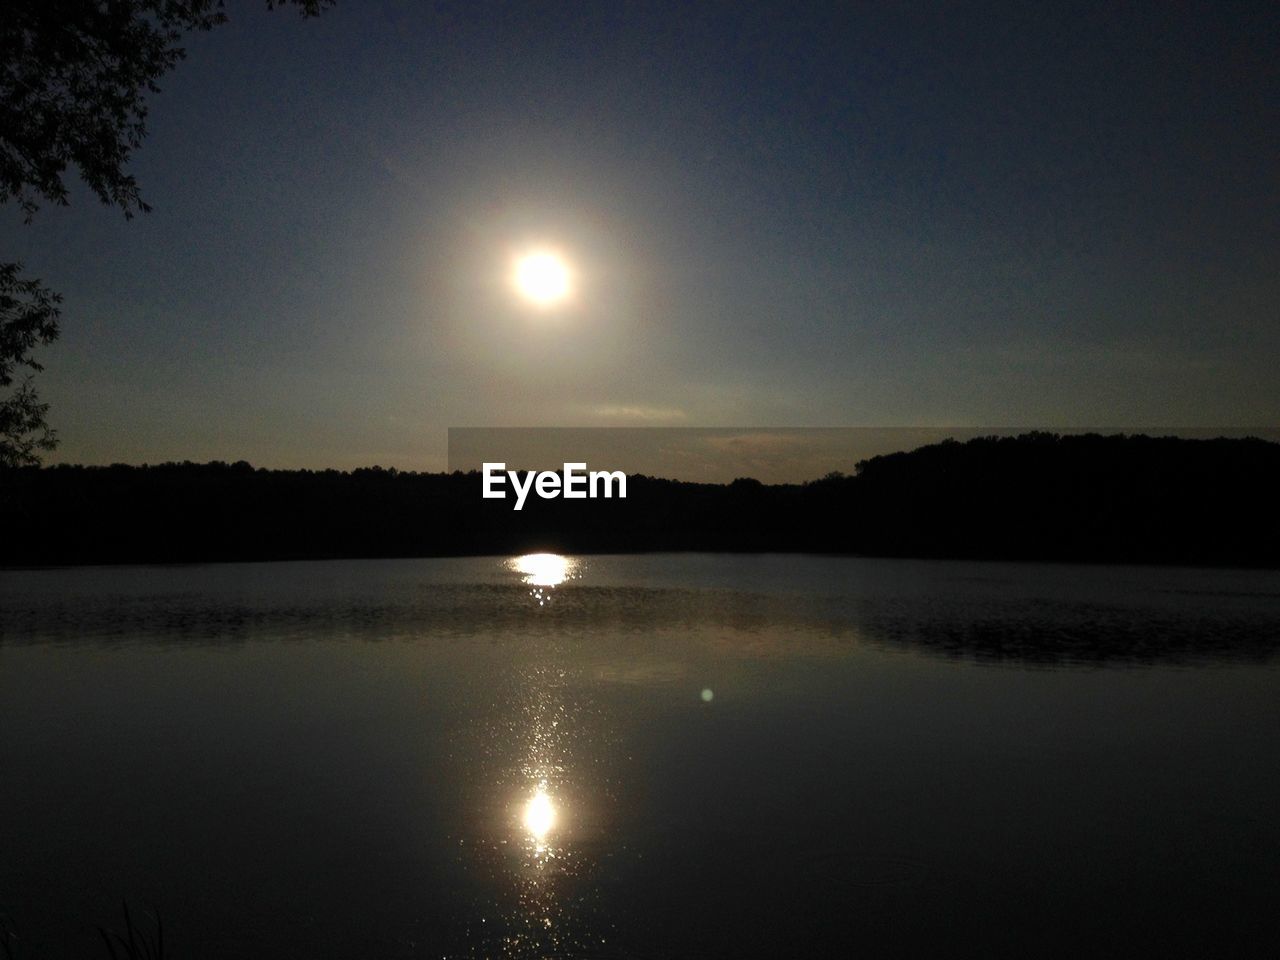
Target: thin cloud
column 641, row 414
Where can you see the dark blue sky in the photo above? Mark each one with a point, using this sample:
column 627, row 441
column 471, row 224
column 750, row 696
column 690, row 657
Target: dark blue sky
column 895, row 214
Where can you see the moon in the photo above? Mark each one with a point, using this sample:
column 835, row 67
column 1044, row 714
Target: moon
column 543, row 278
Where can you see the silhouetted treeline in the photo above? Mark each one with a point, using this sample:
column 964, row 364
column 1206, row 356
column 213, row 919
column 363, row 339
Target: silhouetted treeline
column 1035, row 497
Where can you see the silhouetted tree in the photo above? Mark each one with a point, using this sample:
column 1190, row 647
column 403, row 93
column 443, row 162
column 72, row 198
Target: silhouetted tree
column 1110, row 499
column 28, row 318
column 74, row 78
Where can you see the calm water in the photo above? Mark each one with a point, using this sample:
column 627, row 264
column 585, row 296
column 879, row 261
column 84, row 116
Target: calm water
column 657, row 756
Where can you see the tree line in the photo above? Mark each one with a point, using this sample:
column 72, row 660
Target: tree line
column 1039, row 496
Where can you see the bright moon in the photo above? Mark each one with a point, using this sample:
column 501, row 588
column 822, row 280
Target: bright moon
column 542, row 278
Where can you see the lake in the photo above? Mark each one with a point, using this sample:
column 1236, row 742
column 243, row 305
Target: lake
column 641, row 756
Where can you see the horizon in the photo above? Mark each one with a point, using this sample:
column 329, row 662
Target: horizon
column 774, row 456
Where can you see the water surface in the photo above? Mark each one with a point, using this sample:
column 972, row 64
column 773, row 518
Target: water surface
column 656, row 756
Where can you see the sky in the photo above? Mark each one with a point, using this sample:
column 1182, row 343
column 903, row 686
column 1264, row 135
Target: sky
column 810, row 215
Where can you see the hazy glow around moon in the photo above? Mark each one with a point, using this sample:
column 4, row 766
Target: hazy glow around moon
column 543, row 278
